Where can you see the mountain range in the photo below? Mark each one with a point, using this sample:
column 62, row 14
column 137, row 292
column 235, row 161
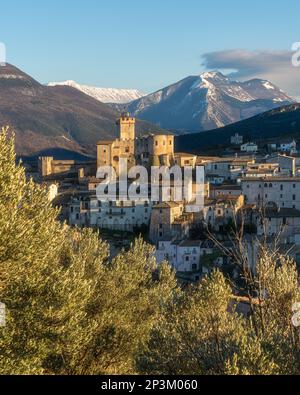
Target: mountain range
column 104, row 95
column 208, row 101
column 49, row 117
column 65, row 117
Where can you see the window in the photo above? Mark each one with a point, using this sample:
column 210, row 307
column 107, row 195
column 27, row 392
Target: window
column 294, row 197
column 281, row 187
column 294, row 186
column 187, row 258
column 160, row 234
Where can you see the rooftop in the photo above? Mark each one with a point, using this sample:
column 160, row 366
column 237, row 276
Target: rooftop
column 190, row 243
column 222, row 199
column 167, row 205
column 233, row 187
column 105, row 142
column 282, row 213
column 271, row 179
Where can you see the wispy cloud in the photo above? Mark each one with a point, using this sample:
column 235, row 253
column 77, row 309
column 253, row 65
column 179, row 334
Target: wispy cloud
column 275, row 66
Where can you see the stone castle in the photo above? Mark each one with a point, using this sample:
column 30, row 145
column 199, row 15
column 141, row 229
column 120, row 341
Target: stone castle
column 151, row 150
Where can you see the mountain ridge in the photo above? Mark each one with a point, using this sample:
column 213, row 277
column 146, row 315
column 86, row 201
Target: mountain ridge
column 54, row 117
column 283, row 122
column 104, row 95
column 207, row 101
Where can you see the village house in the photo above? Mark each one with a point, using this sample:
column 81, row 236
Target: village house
column 249, row 147
column 169, row 221
column 262, row 170
column 88, row 211
column 225, row 190
column 236, row 139
column 219, row 212
column 281, row 191
column 283, row 223
column 288, row 146
column 182, row 159
column 229, row 169
column 286, row 164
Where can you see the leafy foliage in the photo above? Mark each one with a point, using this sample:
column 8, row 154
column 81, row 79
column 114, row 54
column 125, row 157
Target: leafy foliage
column 72, row 310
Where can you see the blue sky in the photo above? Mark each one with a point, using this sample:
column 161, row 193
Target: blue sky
column 146, row 44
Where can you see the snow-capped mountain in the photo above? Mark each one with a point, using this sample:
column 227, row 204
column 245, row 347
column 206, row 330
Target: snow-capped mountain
column 104, row 95
column 207, row 101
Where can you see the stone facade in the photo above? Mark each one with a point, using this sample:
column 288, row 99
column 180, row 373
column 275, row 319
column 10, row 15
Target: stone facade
column 168, row 221
column 282, row 191
column 151, row 150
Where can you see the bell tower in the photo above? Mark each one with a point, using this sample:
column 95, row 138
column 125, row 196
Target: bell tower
column 126, row 127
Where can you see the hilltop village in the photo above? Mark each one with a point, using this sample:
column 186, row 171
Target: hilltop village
column 257, row 192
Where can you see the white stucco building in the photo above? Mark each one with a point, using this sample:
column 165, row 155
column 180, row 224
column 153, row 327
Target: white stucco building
column 249, row 147
column 183, row 256
column 282, row 191
column 115, row 215
column 279, row 222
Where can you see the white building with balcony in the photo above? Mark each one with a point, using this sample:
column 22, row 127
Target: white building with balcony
column 119, row 215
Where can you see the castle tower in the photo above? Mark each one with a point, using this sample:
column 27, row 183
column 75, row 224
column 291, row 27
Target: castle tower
column 45, row 165
column 126, row 127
